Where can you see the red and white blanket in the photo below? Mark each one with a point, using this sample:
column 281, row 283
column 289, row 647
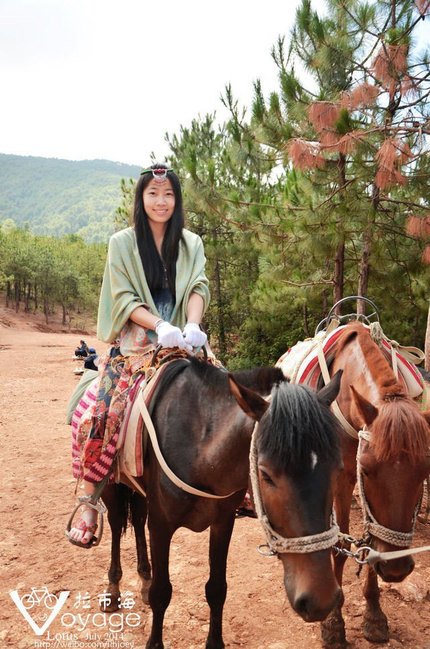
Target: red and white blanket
column 300, row 363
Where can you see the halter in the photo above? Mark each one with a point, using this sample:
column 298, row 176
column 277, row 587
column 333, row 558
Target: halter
column 371, row 525
column 276, row 542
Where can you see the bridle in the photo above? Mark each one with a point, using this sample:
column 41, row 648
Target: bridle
column 275, row 541
column 371, row 525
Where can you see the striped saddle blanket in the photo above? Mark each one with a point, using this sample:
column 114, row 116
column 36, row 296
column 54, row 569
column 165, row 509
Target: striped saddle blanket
column 131, row 438
column 301, row 365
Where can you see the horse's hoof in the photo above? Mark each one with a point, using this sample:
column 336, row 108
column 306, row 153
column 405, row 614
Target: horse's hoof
column 210, row 644
column 376, row 631
column 114, row 603
column 333, row 634
column 156, row 645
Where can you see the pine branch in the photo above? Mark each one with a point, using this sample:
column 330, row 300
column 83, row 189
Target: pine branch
column 386, row 199
column 322, row 282
column 241, row 226
column 273, row 207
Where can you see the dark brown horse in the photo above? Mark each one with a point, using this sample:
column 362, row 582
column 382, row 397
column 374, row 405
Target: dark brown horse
column 205, row 438
column 393, row 461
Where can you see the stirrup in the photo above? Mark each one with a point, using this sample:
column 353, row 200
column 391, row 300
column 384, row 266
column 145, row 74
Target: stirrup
column 100, row 509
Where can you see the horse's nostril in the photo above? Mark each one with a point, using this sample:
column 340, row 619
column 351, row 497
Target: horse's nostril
column 301, row 605
column 394, row 573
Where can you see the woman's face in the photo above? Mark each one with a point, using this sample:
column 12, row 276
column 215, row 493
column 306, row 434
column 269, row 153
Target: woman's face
column 159, row 201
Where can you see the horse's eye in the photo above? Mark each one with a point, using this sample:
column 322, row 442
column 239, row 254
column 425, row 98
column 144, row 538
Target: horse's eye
column 266, row 477
column 365, row 470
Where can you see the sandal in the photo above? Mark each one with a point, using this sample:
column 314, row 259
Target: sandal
column 82, row 525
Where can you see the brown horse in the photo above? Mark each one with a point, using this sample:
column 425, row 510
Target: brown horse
column 393, row 461
column 205, row 436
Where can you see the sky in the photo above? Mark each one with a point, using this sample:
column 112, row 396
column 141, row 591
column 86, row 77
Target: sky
column 86, row 79
column 106, row 79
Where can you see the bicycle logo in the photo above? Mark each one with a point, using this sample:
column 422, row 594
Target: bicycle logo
column 39, row 596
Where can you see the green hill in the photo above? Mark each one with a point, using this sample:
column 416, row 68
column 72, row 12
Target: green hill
column 54, row 197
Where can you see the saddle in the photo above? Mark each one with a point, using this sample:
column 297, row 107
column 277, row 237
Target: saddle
column 301, row 362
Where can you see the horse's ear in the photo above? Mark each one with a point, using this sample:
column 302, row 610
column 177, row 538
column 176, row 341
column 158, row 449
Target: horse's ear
column 329, row 392
column 366, row 410
column 250, row 402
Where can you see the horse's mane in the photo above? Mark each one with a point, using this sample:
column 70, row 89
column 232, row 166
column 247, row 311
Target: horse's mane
column 400, row 427
column 259, row 379
column 377, row 364
column 296, row 425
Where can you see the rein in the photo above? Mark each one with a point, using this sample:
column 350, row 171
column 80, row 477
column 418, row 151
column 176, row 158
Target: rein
column 277, row 543
column 162, row 462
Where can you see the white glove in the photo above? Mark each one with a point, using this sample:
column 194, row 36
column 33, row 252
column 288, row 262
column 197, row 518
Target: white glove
column 170, row 336
column 193, row 335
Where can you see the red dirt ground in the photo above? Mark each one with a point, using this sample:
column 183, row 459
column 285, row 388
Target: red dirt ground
column 36, row 369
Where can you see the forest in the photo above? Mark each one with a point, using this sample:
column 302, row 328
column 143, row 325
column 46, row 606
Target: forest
column 317, row 191
column 54, row 197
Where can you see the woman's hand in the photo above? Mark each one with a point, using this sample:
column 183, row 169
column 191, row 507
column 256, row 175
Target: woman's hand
column 170, row 336
column 193, row 335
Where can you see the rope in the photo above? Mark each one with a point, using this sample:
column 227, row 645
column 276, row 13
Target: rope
column 413, row 355
column 276, row 542
column 374, row 556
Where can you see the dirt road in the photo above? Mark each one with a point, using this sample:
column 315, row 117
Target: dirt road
column 36, row 499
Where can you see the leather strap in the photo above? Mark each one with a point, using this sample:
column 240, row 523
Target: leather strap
column 167, row 470
column 334, row 406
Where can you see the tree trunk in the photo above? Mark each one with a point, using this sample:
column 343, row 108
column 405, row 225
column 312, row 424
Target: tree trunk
column 339, row 262
column 427, row 344
column 222, row 343
column 363, row 280
column 63, row 306
column 16, row 296
column 27, row 294
column 306, row 320
column 338, row 279
column 8, row 293
column 46, row 309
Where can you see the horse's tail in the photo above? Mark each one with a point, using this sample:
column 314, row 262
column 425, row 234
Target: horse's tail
column 124, row 506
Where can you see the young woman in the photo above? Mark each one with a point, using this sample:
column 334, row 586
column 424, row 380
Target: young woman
column 154, row 291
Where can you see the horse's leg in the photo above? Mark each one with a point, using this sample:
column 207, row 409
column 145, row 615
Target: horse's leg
column 216, row 586
column 375, row 625
column 333, row 627
column 115, row 499
column 138, row 519
column 160, row 590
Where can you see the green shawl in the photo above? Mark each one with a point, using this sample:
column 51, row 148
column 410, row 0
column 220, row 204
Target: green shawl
column 125, row 288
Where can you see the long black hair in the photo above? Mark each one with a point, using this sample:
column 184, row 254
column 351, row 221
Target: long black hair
column 153, row 264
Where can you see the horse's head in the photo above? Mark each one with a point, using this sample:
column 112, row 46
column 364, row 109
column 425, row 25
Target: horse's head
column 393, row 462
column 297, row 461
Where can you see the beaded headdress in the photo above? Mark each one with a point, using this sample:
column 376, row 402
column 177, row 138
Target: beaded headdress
column 159, row 173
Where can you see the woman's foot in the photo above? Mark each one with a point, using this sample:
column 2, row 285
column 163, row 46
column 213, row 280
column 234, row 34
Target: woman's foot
column 82, row 533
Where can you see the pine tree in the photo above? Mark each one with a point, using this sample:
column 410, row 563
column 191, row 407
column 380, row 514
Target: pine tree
column 349, row 125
